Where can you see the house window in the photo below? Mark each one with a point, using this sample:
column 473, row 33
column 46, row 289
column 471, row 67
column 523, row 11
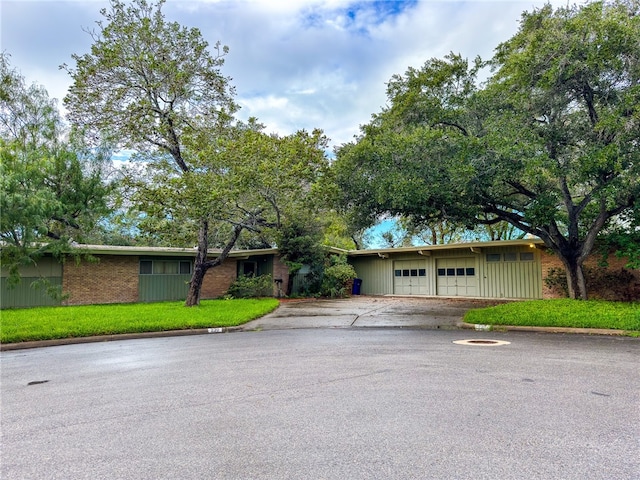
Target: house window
column 422, row 272
column 460, row 272
column 526, row 256
column 405, row 273
column 471, row 272
column 510, row 257
column 146, row 267
column 165, row 267
column 414, row 272
column 493, row 257
column 451, row 272
column 249, row 269
column 442, row 272
column 397, row 273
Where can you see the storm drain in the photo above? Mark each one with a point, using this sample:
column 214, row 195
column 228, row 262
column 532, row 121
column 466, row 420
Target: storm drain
column 482, row 342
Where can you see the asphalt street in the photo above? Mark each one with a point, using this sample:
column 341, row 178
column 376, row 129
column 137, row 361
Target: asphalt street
column 333, row 403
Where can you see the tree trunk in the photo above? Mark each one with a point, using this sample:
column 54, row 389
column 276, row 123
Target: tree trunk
column 199, row 266
column 576, row 284
column 195, row 285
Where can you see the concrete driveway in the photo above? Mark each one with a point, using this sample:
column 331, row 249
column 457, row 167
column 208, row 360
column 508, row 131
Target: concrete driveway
column 364, row 311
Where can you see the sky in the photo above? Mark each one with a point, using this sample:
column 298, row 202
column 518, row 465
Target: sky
column 295, row 64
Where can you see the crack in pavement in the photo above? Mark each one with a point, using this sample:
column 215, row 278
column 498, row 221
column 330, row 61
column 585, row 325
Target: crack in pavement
column 367, row 313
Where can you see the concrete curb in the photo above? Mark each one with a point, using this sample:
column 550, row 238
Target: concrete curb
column 241, row 328
column 512, row 328
column 121, row 336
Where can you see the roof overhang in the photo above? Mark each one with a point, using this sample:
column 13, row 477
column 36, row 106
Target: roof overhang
column 167, row 251
column 426, row 250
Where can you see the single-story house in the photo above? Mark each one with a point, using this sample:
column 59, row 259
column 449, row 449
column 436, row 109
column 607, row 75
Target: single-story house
column 513, row 269
column 115, row 274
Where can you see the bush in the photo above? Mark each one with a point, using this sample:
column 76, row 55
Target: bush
column 337, row 276
column 251, row 287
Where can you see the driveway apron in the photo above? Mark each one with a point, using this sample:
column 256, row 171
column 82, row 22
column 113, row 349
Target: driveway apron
column 363, row 311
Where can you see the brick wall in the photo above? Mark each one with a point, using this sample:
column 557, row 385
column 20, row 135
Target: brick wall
column 550, row 261
column 217, row 280
column 112, row 279
column 280, row 270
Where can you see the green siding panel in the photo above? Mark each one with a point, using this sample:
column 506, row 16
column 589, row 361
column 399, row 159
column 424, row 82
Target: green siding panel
column 512, row 279
column 159, row 288
column 376, row 275
column 43, row 267
column 24, row 295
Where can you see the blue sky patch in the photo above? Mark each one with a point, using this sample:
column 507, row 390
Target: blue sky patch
column 358, row 16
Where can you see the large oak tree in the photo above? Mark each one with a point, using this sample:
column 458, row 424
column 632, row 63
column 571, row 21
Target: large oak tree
column 549, row 143
column 152, row 86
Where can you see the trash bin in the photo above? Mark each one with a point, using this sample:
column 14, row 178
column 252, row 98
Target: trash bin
column 357, row 283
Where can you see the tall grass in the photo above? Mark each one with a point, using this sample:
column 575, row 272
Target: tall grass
column 81, row 321
column 561, row 313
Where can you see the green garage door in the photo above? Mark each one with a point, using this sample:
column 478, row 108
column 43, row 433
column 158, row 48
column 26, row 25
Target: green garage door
column 410, row 277
column 457, row 277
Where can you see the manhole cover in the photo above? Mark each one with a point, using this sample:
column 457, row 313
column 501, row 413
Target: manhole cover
column 482, row 342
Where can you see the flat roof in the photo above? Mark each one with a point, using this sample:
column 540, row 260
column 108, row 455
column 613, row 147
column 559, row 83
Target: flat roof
column 449, row 246
column 214, row 252
column 166, row 251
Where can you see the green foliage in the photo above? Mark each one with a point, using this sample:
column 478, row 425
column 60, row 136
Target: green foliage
column 52, row 192
column 84, row 321
column 298, row 240
column 626, row 245
column 147, row 82
column 561, row 313
column 336, row 277
column 547, row 144
column 251, row 287
column 152, row 86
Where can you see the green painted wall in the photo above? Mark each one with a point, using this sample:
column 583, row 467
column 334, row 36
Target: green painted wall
column 25, row 294
column 160, row 288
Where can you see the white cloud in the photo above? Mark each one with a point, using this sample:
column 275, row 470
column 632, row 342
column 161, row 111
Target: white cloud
column 295, row 64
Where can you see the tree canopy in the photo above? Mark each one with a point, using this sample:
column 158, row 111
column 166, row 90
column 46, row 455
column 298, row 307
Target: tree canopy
column 53, row 191
column 549, row 143
column 153, row 86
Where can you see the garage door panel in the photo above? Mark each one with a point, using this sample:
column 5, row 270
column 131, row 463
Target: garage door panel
column 410, row 278
column 457, row 277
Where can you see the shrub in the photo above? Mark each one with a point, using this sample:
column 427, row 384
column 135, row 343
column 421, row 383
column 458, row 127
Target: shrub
column 251, row 287
column 336, row 277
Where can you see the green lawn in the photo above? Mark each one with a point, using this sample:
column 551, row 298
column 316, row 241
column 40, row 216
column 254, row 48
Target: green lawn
column 561, row 313
column 83, row 321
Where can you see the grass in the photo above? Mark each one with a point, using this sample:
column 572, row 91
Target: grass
column 561, row 313
column 47, row 323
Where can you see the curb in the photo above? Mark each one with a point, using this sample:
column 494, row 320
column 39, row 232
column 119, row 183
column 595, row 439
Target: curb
column 121, row 336
column 512, row 328
column 208, row 331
